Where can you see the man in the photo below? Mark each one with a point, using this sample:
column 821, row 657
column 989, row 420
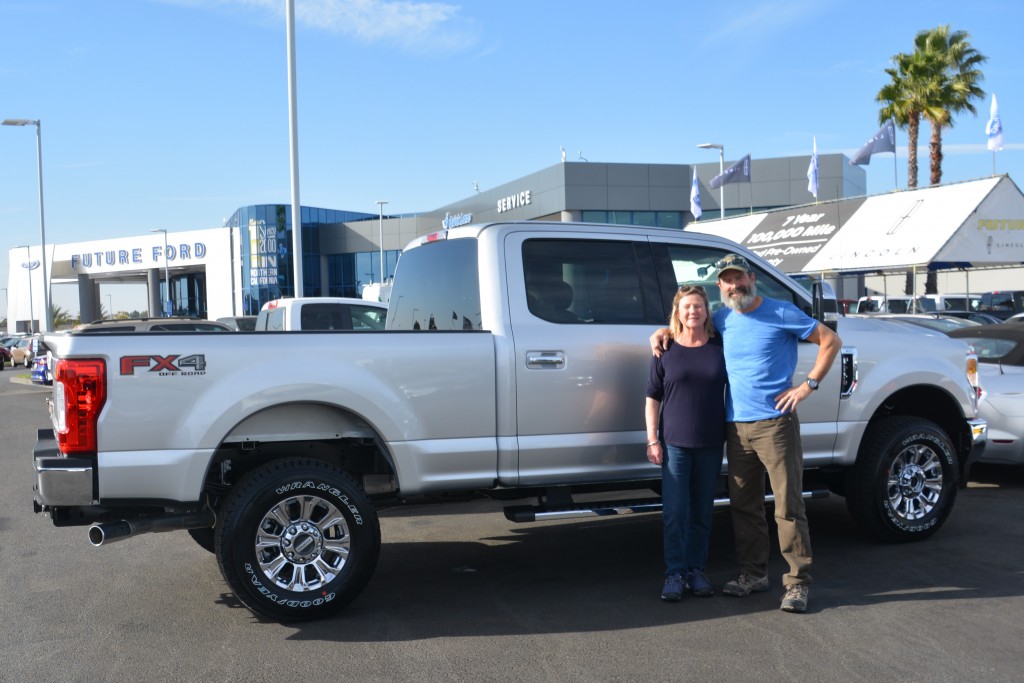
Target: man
column 760, row 336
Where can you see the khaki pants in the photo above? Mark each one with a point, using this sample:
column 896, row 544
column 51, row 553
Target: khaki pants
column 754, row 448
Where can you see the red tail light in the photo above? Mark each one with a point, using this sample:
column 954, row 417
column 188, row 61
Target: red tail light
column 79, row 392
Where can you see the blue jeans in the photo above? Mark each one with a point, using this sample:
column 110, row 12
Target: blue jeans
column 688, row 477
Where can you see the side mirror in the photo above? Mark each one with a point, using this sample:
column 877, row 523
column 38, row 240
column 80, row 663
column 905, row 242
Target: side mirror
column 826, row 308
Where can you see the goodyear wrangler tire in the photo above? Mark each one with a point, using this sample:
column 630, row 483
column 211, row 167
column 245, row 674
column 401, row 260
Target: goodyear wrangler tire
column 904, row 483
column 298, row 539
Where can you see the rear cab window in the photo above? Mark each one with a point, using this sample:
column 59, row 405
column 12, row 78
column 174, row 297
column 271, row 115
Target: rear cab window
column 439, row 288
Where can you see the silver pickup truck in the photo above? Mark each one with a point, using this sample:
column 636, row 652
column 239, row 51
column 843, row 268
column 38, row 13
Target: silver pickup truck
column 514, row 364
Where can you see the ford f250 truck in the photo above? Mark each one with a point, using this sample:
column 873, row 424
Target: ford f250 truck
column 514, row 363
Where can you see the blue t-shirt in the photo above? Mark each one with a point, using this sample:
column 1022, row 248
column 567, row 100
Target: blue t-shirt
column 760, row 356
column 689, row 382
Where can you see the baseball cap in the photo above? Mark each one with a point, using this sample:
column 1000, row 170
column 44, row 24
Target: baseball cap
column 732, row 262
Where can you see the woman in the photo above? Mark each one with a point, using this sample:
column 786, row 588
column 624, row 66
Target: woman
column 686, row 391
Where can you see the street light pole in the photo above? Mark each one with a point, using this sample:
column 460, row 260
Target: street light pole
column 167, row 274
column 721, row 170
column 47, row 322
column 381, row 203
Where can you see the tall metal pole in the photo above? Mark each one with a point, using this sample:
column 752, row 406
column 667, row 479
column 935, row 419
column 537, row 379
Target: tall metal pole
column 47, row 317
column 383, row 274
column 721, row 170
column 293, row 147
column 721, row 188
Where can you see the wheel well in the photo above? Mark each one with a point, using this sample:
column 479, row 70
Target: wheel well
column 310, row 430
column 361, row 458
column 932, row 404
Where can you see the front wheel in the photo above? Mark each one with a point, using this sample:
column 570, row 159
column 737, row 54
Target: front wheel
column 904, row 483
column 299, row 539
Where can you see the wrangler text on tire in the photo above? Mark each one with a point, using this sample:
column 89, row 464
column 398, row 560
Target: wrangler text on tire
column 904, row 483
column 298, row 539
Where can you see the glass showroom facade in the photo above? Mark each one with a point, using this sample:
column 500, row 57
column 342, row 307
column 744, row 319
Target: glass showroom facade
column 265, row 235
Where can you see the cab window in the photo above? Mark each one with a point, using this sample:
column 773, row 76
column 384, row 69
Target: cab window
column 683, row 264
column 581, row 282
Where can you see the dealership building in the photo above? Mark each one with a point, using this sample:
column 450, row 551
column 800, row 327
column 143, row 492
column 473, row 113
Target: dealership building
column 235, row 269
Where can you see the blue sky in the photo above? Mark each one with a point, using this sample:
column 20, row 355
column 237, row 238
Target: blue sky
column 173, row 113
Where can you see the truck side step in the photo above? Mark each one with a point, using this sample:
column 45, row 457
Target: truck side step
column 541, row 513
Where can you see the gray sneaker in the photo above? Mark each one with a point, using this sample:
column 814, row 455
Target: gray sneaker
column 795, row 599
column 745, row 585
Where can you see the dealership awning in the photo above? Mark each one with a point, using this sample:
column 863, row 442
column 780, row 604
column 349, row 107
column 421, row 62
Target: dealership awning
column 961, row 225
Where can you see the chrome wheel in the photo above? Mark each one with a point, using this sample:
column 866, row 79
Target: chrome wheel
column 904, row 483
column 915, row 482
column 302, row 544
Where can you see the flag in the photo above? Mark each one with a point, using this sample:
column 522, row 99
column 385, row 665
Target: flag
column 994, row 128
column 695, row 197
column 883, row 141
column 737, row 173
column 812, row 171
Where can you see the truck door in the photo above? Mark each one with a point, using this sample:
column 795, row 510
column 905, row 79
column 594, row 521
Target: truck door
column 581, row 311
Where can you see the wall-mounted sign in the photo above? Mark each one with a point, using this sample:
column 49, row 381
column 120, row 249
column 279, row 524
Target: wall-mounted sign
column 125, row 257
column 514, row 201
column 262, row 253
column 455, row 220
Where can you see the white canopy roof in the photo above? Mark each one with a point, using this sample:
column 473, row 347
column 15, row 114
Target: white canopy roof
column 974, row 223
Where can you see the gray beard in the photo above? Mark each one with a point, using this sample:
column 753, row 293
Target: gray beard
column 738, row 303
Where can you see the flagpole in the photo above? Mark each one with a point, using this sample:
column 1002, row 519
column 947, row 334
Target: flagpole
column 895, row 181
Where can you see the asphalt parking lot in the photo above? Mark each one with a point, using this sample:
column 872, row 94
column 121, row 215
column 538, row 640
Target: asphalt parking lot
column 463, row 594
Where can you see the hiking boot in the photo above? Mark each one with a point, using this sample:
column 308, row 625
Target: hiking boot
column 795, row 599
column 698, row 583
column 672, row 591
column 745, row 585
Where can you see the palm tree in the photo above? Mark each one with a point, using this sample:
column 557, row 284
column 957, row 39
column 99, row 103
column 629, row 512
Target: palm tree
column 958, row 80
column 904, row 98
column 939, row 79
column 61, row 318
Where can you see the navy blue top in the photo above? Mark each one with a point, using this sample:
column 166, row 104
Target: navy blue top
column 689, row 382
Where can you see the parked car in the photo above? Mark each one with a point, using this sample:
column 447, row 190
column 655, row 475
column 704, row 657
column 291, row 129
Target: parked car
column 5, row 357
column 24, row 351
column 976, row 316
column 1018, row 318
column 1002, row 304
column 940, row 303
column 108, row 325
column 932, row 321
column 883, row 304
column 40, row 373
column 239, row 323
column 1000, row 350
column 321, row 313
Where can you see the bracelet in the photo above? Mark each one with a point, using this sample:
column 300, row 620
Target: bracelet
column 652, row 443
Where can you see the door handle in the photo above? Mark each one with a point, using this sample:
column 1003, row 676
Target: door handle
column 538, row 360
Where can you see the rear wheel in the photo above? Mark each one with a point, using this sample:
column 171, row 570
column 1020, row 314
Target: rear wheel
column 904, row 483
column 298, row 539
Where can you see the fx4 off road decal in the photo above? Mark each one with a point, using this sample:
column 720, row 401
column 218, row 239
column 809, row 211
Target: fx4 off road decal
column 176, row 365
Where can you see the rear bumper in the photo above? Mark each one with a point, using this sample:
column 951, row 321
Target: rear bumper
column 60, row 481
